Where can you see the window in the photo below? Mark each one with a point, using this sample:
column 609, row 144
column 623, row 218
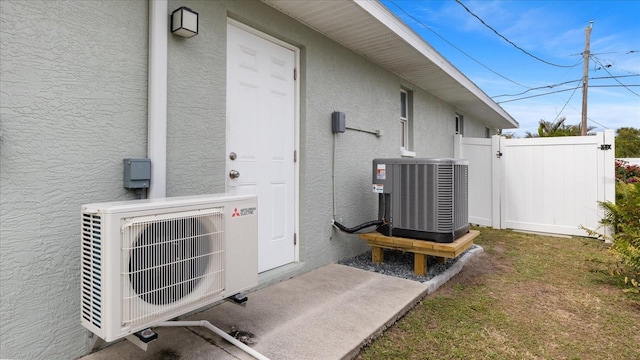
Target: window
column 459, row 124
column 404, row 119
column 406, row 123
column 487, row 132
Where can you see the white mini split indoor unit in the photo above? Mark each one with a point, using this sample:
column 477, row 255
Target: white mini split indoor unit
column 422, row 198
column 147, row 261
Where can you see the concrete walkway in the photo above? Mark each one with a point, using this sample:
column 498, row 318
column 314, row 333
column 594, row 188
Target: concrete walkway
column 328, row 313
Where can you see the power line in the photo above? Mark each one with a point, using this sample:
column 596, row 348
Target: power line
column 454, row 46
column 590, row 119
column 562, row 83
column 563, row 90
column 565, row 104
column 610, row 52
column 536, row 88
column 511, row 42
column 597, row 123
column 595, row 58
column 610, row 64
column 621, row 85
column 532, row 96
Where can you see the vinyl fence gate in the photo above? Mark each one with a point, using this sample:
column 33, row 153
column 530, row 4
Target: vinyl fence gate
column 551, row 185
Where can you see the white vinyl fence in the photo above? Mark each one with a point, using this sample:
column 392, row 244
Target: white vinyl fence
column 550, row 185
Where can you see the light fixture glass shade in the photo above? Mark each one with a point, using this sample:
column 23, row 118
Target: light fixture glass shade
column 184, row 22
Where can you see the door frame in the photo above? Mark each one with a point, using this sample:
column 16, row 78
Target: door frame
column 296, row 125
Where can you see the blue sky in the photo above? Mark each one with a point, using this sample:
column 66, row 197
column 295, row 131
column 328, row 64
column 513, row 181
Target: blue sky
column 553, row 31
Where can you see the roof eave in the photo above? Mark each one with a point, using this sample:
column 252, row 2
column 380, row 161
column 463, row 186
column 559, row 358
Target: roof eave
column 364, row 26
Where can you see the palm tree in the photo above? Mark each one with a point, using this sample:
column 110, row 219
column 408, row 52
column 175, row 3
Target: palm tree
column 557, row 128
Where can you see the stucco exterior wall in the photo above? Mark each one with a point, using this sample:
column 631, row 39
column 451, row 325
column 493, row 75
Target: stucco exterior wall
column 196, row 98
column 73, row 104
column 476, row 129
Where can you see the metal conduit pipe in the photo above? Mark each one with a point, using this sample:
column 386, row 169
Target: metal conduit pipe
column 217, row 331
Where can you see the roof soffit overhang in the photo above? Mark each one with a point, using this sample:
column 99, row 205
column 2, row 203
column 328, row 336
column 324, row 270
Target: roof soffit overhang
column 368, row 28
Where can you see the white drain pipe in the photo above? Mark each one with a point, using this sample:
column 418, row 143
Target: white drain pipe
column 157, row 97
column 219, row 332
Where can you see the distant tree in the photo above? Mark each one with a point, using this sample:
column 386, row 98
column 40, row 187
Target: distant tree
column 507, row 134
column 628, row 143
column 557, row 128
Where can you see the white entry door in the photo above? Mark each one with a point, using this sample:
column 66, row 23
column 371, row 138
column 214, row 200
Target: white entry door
column 261, row 137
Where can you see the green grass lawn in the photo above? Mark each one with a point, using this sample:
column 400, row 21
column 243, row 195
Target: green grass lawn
column 526, row 297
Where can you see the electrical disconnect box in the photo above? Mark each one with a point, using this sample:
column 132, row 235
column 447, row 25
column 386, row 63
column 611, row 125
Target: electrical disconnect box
column 137, row 173
column 338, row 122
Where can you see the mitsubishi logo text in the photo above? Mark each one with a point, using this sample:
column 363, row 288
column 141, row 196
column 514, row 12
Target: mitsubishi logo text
column 243, row 212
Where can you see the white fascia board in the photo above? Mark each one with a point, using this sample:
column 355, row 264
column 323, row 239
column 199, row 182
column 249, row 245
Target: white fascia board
column 391, row 21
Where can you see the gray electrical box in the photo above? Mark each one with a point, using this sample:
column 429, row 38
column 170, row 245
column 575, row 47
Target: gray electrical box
column 422, row 198
column 137, row 173
column 338, row 123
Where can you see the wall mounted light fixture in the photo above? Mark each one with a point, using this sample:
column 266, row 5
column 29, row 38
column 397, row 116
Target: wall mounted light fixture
column 184, row 22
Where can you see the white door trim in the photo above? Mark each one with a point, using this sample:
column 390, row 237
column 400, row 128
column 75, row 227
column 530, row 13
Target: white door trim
column 296, row 50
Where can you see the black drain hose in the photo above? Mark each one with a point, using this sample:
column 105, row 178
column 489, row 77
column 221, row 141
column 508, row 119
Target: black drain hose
column 359, row 227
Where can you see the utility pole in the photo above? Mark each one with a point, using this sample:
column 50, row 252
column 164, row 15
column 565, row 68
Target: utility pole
column 585, row 79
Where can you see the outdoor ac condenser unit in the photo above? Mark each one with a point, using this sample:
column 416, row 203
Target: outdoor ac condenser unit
column 422, row 198
column 147, row 261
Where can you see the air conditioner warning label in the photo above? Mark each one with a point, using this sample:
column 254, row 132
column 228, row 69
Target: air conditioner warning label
column 378, row 188
column 381, row 172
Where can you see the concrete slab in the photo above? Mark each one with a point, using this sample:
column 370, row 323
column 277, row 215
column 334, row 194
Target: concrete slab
column 328, row 313
column 172, row 344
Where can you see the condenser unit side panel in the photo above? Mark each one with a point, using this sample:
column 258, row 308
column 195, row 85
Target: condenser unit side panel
column 92, row 273
column 444, row 199
column 242, row 246
column 101, row 274
column 462, row 196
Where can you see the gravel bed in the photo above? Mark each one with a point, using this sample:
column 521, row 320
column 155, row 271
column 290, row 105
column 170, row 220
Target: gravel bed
column 400, row 264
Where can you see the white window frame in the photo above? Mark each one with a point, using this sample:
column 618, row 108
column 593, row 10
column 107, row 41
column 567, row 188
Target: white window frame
column 405, row 124
column 404, row 119
column 459, row 124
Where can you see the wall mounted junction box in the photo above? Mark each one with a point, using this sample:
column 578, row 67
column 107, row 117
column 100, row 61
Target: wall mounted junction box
column 338, row 122
column 137, row 173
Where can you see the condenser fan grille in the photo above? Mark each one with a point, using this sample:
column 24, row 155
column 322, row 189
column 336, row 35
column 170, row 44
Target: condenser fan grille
column 171, row 260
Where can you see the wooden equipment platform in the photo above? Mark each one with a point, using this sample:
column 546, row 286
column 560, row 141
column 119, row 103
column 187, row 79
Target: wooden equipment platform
column 420, row 248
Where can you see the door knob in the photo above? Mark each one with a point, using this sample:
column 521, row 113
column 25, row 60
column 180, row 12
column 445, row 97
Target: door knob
column 234, row 174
